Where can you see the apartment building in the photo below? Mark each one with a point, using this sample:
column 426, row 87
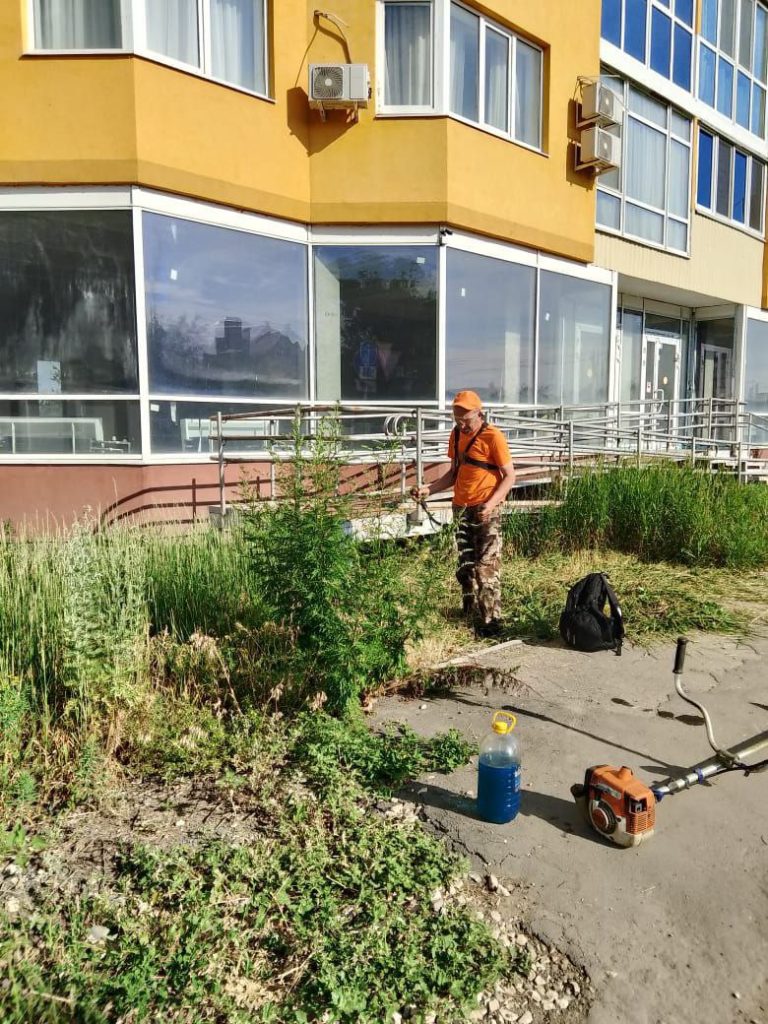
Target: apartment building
column 184, row 232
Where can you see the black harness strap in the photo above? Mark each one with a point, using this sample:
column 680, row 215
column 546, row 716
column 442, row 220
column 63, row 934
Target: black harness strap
column 459, row 460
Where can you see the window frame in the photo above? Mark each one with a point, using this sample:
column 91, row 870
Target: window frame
column 441, row 71
column 711, row 210
column 737, row 68
column 134, row 43
column 667, row 9
column 620, row 191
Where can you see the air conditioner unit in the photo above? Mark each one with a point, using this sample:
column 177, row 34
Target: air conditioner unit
column 599, row 150
column 600, row 105
column 338, row 85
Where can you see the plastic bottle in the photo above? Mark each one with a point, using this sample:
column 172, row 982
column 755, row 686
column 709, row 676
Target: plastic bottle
column 498, row 771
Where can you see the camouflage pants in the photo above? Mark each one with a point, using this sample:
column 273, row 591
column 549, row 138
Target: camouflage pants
column 479, row 571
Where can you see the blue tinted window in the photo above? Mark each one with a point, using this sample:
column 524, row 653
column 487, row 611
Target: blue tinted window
column 681, row 68
column 709, row 20
column 634, row 30
column 661, row 42
column 704, row 186
column 684, row 11
column 743, row 89
column 724, row 87
column 610, row 28
column 707, row 75
column 739, row 211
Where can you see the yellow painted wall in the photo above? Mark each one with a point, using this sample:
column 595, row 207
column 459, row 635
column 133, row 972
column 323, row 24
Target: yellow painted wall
column 123, row 119
column 427, row 169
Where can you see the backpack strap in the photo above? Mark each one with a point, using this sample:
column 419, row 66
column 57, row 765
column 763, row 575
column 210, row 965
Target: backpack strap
column 616, row 615
column 460, row 460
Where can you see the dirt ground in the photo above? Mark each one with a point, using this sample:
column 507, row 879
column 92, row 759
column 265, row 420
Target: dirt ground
column 674, row 931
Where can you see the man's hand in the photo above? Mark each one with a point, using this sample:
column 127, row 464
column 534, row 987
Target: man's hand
column 419, row 493
column 484, row 513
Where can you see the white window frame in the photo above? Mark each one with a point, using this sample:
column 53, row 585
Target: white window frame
column 134, row 39
column 703, row 43
column 710, row 211
column 669, row 12
column 620, row 192
column 441, row 72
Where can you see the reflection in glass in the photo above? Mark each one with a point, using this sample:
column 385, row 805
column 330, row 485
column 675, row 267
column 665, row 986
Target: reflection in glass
column 631, row 354
column 186, row 427
column 490, row 328
column 67, row 304
column 226, row 311
column 55, row 427
column 376, row 322
column 610, row 24
column 756, row 371
column 681, row 69
column 528, row 94
column 465, row 62
column 574, row 330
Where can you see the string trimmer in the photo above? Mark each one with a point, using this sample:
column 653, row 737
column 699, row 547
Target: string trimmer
column 623, row 809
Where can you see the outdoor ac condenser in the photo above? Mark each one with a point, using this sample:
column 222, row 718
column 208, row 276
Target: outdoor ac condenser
column 338, row 85
column 600, row 105
column 599, row 150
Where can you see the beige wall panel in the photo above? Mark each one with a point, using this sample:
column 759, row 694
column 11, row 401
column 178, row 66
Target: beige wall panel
column 726, row 265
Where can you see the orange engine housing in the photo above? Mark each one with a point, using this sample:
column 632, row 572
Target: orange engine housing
column 619, row 806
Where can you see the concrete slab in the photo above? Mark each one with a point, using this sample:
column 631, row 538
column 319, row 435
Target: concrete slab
column 674, row 931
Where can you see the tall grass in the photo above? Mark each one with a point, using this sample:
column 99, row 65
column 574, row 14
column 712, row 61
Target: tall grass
column 659, row 512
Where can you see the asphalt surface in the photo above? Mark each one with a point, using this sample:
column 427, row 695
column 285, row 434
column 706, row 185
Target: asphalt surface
column 674, row 931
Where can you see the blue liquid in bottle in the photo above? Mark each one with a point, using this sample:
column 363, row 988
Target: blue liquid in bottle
column 498, row 787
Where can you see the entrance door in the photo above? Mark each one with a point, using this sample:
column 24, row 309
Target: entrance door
column 662, row 364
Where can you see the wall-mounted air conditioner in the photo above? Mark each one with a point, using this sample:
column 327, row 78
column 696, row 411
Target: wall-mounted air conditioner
column 334, row 86
column 599, row 150
column 600, row 105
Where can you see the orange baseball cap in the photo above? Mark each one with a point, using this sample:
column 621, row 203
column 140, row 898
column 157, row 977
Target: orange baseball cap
column 468, row 400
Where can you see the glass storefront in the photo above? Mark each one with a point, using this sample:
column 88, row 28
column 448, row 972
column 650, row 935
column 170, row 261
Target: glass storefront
column 376, row 322
column 226, row 327
column 67, row 303
column 574, row 340
column 226, row 311
column 490, row 324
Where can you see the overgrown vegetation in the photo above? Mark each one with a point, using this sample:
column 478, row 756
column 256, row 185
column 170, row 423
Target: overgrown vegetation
column 660, row 512
column 243, row 659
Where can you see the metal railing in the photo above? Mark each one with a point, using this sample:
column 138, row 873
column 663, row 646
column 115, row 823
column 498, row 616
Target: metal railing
column 546, row 441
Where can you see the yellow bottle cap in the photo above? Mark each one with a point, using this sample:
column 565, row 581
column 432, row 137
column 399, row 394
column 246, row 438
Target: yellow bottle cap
column 503, row 722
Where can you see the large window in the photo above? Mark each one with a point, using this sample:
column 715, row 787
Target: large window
column 659, row 33
column 489, row 344
column 55, row 427
column 226, row 311
column 376, row 322
column 733, row 60
column 756, row 374
column 223, row 39
column 731, row 183
column 67, row 310
column 574, row 340
column 493, row 78
column 78, row 24
column 408, row 54
column 648, row 198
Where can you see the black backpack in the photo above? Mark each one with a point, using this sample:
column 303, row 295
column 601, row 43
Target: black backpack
column 584, row 624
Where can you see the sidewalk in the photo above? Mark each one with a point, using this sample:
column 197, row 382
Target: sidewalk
column 672, row 932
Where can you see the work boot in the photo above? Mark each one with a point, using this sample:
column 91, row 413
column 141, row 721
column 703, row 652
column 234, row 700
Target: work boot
column 488, row 630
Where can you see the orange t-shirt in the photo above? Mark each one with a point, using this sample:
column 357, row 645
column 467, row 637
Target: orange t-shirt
column 474, row 485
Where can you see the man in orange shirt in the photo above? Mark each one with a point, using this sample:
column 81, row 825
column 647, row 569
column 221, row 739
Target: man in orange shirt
column 481, row 474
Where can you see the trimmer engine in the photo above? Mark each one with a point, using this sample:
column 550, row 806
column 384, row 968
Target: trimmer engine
column 617, row 805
